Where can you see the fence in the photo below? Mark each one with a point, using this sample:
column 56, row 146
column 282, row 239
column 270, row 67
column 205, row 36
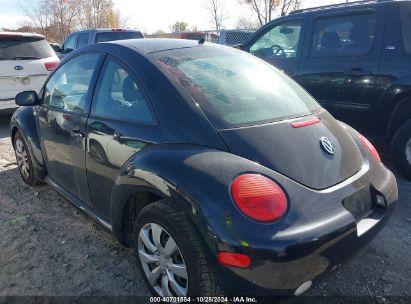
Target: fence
column 225, row 37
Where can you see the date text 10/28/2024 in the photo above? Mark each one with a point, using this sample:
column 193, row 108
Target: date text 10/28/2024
column 203, row 300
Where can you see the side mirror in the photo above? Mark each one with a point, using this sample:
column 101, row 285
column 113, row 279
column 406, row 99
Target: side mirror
column 27, row 98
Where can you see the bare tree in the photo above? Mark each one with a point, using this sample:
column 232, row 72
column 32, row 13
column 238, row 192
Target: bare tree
column 289, row 5
column 99, row 14
column 264, row 9
column 244, row 23
column 55, row 19
column 40, row 15
column 216, row 12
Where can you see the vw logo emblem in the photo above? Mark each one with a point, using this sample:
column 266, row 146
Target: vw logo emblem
column 327, row 145
column 18, row 68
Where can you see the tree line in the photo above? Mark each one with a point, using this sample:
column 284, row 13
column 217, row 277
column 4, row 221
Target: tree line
column 55, row 19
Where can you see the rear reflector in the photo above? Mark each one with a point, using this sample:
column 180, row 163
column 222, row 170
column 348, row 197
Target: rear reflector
column 369, row 146
column 305, row 123
column 234, row 259
column 50, row 66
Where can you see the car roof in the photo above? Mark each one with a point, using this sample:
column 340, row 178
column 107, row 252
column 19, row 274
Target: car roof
column 152, row 45
column 21, row 34
column 342, row 6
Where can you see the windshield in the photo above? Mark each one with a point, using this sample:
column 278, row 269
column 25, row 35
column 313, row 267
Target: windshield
column 234, row 88
column 112, row 36
column 24, row 48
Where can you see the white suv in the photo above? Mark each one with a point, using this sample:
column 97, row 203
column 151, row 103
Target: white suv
column 25, row 62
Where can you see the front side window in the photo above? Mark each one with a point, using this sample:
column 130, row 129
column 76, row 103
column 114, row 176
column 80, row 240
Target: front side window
column 281, row 41
column 236, row 89
column 70, row 44
column 118, row 96
column 405, row 11
column 343, row 35
column 68, row 88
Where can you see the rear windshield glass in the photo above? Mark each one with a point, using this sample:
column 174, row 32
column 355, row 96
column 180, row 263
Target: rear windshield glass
column 112, row 36
column 21, row 48
column 234, row 88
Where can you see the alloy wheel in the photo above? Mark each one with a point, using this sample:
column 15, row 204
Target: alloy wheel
column 162, row 261
column 22, row 158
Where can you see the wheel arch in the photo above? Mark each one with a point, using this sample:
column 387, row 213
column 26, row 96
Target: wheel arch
column 140, row 188
column 23, row 120
column 400, row 114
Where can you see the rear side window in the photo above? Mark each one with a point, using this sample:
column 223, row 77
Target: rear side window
column 68, row 88
column 112, row 36
column 82, row 40
column 118, row 96
column 349, row 35
column 405, row 11
column 21, row 48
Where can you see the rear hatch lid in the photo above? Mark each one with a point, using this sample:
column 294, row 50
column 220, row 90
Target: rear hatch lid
column 298, row 153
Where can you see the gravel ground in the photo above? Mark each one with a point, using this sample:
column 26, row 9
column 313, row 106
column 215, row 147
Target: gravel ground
column 49, row 248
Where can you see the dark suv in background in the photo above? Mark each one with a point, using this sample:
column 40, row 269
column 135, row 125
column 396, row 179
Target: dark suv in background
column 78, row 39
column 355, row 59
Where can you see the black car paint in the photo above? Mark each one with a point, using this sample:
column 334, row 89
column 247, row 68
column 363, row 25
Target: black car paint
column 184, row 158
column 368, row 92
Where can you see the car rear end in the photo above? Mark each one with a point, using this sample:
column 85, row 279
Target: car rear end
column 25, row 63
column 309, row 191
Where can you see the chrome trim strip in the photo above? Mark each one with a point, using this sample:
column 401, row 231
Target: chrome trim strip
column 23, row 76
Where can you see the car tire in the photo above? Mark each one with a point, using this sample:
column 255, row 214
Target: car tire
column 24, row 162
column 401, row 149
column 189, row 252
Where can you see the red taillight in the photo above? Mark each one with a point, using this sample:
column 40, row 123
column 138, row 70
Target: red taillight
column 234, row 259
column 50, row 66
column 305, row 123
column 367, row 144
column 118, row 30
column 259, row 197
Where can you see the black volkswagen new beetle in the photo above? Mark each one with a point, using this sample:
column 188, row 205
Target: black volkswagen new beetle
column 224, row 175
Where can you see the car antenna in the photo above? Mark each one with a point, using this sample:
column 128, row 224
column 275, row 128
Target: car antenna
column 201, row 41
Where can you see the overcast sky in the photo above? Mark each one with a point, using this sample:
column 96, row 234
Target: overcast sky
column 152, row 15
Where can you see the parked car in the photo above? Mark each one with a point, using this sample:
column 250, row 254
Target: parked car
column 82, row 38
column 234, row 37
column 226, row 176
column 26, row 59
column 355, row 59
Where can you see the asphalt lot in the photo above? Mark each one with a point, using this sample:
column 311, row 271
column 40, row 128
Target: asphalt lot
column 49, row 248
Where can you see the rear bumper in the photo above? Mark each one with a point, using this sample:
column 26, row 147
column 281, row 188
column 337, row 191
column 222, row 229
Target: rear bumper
column 280, row 266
